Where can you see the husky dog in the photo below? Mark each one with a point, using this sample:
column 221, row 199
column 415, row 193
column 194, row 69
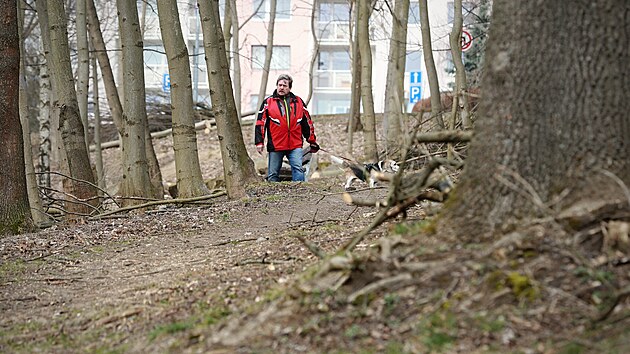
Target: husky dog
column 364, row 172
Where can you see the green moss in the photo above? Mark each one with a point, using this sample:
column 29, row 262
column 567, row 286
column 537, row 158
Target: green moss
column 523, row 287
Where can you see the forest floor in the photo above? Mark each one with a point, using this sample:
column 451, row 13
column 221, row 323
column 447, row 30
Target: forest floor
column 225, row 276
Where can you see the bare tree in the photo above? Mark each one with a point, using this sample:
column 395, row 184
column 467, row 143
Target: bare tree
column 187, row 167
column 354, row 117
column 268, row 52
column 315, row 56
column 552, row 138
column 39, row 216
column 370, row 150
column 15, row 215
column 45, row 93
column 135, row 181
column 238, row 168
column 236, row 66
column 427, row 51
column 83, row 65
column 98, row 153
column 81, row 187
column 394, row 91
column 460, row 99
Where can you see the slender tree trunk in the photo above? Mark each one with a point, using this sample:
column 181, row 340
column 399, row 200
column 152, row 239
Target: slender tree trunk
column 238, row 168
column 45, row 92
column 268, row 53
column 427, row 51
column 135, row 181
column 394, row 90
column 15, row 215
column 370, row 150
column 70, row 126
column 553, row 137
column 37, row 211
column 354, row 118
column 98, row 153
column 315, row 56
column 460, row 99
column 96, row 37
column 236, row 58
column 187, row 168
column 227, row 29
column 83, row 68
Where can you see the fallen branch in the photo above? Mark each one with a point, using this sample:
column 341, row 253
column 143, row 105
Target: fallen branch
column 159, row 202
column 444, row 136
column 316, row 250
column 377, row 285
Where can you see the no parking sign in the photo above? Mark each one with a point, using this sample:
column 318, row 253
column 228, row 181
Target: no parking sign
column 466, row 40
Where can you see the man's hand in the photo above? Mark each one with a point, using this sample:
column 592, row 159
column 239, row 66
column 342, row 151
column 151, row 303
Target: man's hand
column 314, row 148
column 259, row 148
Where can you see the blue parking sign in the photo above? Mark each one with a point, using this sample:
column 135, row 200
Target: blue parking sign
column 415, row 94
column 166, row 83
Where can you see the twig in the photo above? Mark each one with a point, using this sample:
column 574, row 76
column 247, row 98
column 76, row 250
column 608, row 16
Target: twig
column 79, row 180
column 232, row 242
column 316, row 250
column 379, row 285
column 444, row 136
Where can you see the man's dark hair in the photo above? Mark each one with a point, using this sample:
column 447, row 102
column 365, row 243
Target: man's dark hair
column 285, row 77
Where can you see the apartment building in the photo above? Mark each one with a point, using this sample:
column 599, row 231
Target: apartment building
column 294, row 46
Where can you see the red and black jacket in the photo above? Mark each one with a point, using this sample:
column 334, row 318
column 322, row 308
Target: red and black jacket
column 283, row 132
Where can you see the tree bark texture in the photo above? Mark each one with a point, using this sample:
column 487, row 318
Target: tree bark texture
column 553, row 133
column 370, row 150
column 15, row 215
column 45, row 94
column 394, row 91
column 135, row 181
column 70, row 126
column 83, row 65
column 187, row 168
column 238, row 168
column 427, row 52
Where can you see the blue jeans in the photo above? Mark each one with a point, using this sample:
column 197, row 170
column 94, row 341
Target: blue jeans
column 275, row 162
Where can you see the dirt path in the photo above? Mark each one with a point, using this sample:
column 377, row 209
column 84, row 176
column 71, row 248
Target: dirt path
column 119, row 283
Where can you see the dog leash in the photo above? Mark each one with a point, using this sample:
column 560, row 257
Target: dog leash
column 341, row 157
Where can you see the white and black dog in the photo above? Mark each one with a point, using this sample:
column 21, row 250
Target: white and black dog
column 364, row 172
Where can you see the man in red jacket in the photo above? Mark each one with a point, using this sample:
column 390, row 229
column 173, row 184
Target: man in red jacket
column 284, row 121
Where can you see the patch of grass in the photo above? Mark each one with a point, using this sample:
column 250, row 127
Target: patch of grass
column 355, row 331
column 273, row 198
column 439, row 330
column 225, row 216
column 489, row 324
column 391, row 301
column 12, row 269
column 591, row 274
column 171, row 328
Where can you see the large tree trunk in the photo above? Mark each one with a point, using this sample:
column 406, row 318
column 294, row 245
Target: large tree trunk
column 70, row 126
column 15, row 215
column 238, row 168
column 370, row 150
column 135, row 181
column 394, row 91
column 268, row 53
column 427, row 51
column 553, row 136
column 188, row 171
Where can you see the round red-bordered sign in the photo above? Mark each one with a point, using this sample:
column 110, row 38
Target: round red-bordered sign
column 466, row 40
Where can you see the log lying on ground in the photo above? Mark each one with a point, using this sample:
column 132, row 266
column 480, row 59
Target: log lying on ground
column 207, row 123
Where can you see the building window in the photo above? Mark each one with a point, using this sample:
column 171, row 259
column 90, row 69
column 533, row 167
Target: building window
column 334, row 12
column 280, row 57
column 262, row 9
column 414, row 13
column 334, row 69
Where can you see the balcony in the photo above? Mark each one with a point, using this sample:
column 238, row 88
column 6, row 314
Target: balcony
column 333, row 79
column 333, row 32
